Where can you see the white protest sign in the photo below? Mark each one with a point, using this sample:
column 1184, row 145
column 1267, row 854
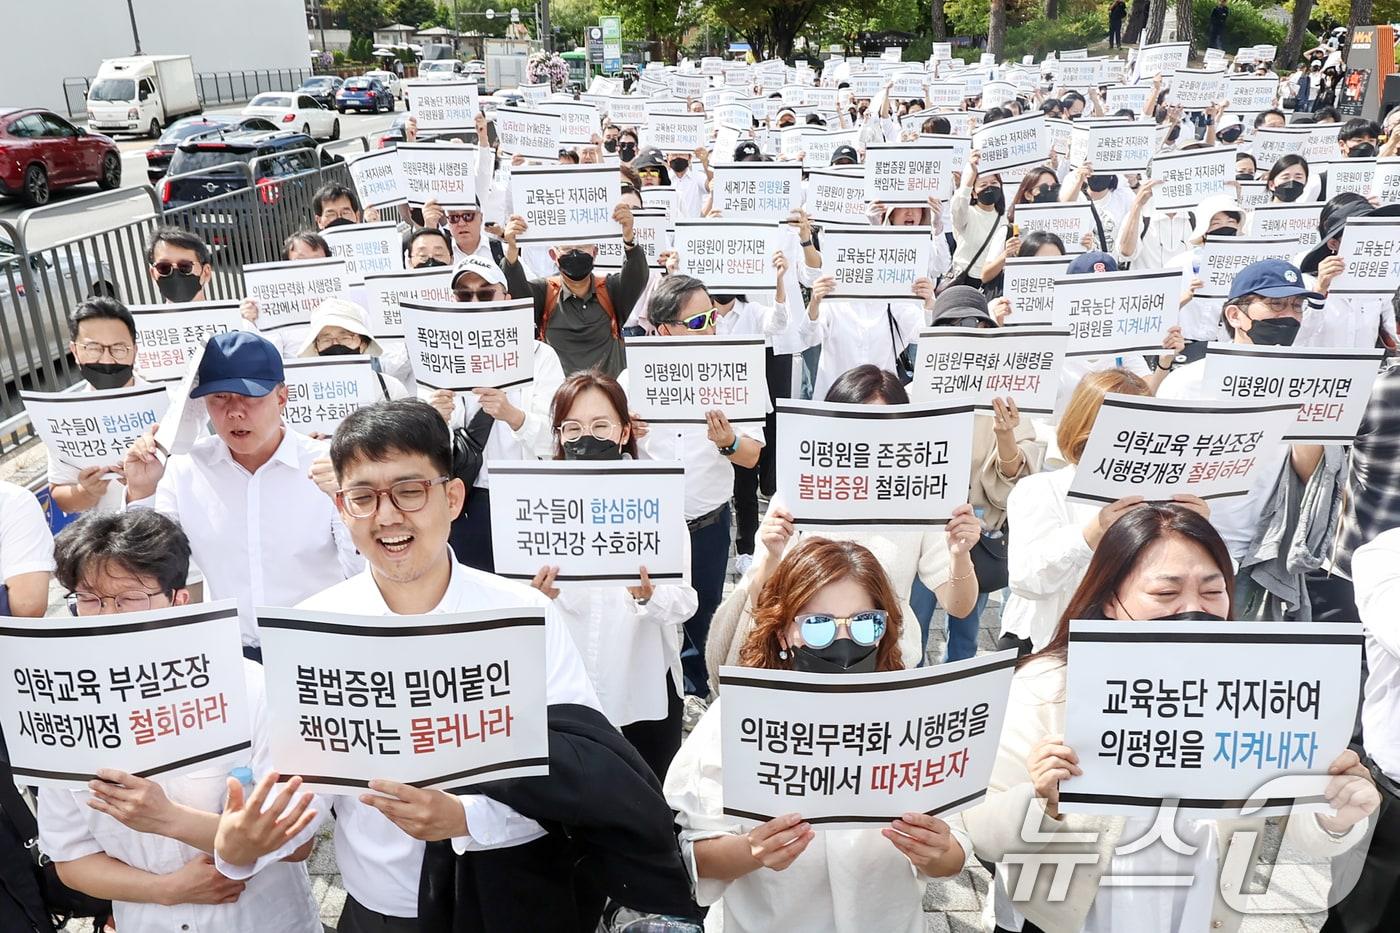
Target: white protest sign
column 1249, row 94
column 980, row 364
column 94, row 429
column 1254, row 194
column 627, row 110
column 186, row 417
column 676, row 381
column 1117, row 312
column 818, row 144
column 1271, row 143
column 651, row 230
column 1321, row 144
column 445, row 172
column 322, row 392
column 566, row 203
column 1162, row 58
column 729, row 256
column 1165, row 714
column 534, row 94
column 288, row 292
column 946, row 93
column 852, row 751
column 1286, row 222
column 1331, row 385
column 1069, row 222
column 1355, row 176
column 152, row 693
column 1029, row 284
column 368, row 249
column 1156, row 448
column 1386, row 186
column 1222, row 257
column 836, row 196
column 910, row 173
column 470, row 344
column 676, row 132
column 823, row 98
column 579, row 121
column 169, row 335
column 997, row 93
column 757, row 190
column 384, row 291
column 1130, row 96
column 908, row 86
column 941, row 52
column 1012, row 143
column 734, row 114
column 1370, row 247
column 442, row 105
column 689, row 86
column 658, row 197
column 599, row 524
column 1115, row 147
column 1189, row 176
column 1082, row 74
column 876, row 262
column 963, row 124
column 1060, row 135
column 1195, row 89
column 859, row 467
column 378, row 178
column 533, row 134
column 435, row 701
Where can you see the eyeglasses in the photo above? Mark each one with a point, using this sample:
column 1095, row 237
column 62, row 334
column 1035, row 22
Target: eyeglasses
column 409, row 495
column 1281, row 305
column 487, row 293
column 599, row 428
column 462, row 217
column 353, row 341
column 184, row 267
column 699, row 321
column 121, row 352
column 90, row 604
column 865, row 628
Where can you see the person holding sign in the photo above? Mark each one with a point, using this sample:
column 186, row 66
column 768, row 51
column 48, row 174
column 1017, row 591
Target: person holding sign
column 148, row 844
column 302, row 246
column 828, row 608
column 340, row 328
column 1108, row 204
column 1154, row 562
column 1344, row 319
column 979, row 224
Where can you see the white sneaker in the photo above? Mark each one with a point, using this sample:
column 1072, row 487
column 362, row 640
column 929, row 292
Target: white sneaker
column 742, row 563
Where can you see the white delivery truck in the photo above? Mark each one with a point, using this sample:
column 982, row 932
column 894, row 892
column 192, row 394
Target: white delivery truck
column 142, row 94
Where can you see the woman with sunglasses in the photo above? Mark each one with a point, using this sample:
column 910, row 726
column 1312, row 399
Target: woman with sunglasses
column 828, row 608
column 628, row 636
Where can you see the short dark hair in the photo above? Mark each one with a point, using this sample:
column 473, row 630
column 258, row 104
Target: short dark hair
column 670, row 294
column 96, row 309
column 142, row 541
column 1239, row 301
column 1287, row 161
column 1322, row 114
column 938, row 126
column 628, row 131
column 334, row 192
column 1261, row 117
column 1359, row 128
column 305, row 238
column 180, row 239
column 400, row 426
column 1033, row 241
column 415, row 234
column 868, row 383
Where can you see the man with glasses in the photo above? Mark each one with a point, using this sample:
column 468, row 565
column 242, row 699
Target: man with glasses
column 427, row 248
column 260, row 529
column 680, row 308
column 104, row 346
column 180, row 264
column 335, row 205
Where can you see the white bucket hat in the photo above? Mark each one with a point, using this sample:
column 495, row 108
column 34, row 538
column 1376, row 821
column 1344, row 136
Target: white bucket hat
column 339, row 312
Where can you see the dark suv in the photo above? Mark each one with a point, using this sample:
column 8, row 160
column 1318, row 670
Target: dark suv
column 208, row 167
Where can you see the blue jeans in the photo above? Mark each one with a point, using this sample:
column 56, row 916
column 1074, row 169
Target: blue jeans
column 709, row 560
column 962, row 631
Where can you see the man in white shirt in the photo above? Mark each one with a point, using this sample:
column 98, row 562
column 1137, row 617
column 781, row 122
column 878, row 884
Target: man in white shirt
column 26, row 553
column 261, row 530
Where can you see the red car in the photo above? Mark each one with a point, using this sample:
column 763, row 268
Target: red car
column 41, row 151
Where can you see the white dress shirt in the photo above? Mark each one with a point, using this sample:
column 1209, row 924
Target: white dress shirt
column 749, row 319
column 277, row 898
column 1376, row 572
column 270, row 538
column 691, row 192
column 379, row 863
column 853, row 333
column 26, row 544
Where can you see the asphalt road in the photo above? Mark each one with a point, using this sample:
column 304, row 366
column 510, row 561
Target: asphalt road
column 72, row 211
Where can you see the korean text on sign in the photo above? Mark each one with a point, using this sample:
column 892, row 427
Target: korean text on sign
column 1117, row 312
column 979, row 365
column 368, row 249
column 288, row 292
column 324, row 391
column 470, row 345
column 566, row 204
column 677, row 381
column 168, row 335
column 94, row 429
column 876, row 262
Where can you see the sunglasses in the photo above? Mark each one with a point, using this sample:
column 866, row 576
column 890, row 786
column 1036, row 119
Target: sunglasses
column 475, row 294
column 165, row 267
column 700, row 321
column 649, row 172
column 865, row 628
column 461, row 217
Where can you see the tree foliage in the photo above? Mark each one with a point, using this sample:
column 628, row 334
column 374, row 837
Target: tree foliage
column 410, row 12
column 362, row 17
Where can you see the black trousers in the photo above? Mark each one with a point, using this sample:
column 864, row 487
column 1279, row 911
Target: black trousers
column 357, row 918
column 1115, row 33
column 658, row 740
column 750, row 481
column 470, row 535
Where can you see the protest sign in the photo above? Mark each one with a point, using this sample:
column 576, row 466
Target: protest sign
column 599, row 523
column 1332, row 386
column 1163, row 713
column 1029, row 284
column 676, row 381
column 168, row 335
column 688, row 86
column 1117, row 146
column 1370, row 247
column 909, row 173
column 676, row 132
column 852, row 751
column 1012, row 143
column 908, row 86
column 1249, row 94
column 823, row 98
column 1321, row 145
column 324, row 391
column 1196, row 89
column 818, row 144
column 288, row 292
column 368, row 249
column 445, row 172
column 1156, row 448
column 152, row 693
column 533, row 134
column 442, row 106
column 1355, row 176
column 1271, row 143
column 876, row 262
column 579, row 121
column 1286, row 222
column 1221, row 257
column 627, row 110
column 1386, row 186
column 94, row 428
column 946, row 93
column 979, row 364
column 658, row 197
column 757, row 190
column 1117, row 312
column 1069, row 222
column 872, row 466
column 435, row 701
column 997, row 93
column 471, row 344
column 566, row 203
column 733, row 114
column 1189, row 176
column 941, row 52
column 534, row 94
column 1254, row 194
column 836, row 196
column 378, row 177
column 186, row 418
column 1082, row 73
column 1162, row 58
column 729, row 256
column 1127, row 96
column 651, row 230
column 384, row 291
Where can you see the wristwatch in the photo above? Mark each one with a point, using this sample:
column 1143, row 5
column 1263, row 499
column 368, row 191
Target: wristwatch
column 804, row 243
column 629, row 245
column 732, row 448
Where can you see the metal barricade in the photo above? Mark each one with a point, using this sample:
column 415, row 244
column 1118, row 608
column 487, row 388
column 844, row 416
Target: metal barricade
column 230, row 224
column 75, row 97
column 332, row 157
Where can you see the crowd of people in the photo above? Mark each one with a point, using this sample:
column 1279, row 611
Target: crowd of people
column 391, row 517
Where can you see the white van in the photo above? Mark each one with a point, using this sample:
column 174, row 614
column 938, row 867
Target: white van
column 142, row 94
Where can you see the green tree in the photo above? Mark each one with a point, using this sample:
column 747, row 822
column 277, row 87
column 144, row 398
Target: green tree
column 573, row 17
column 1297, row 28
column 411, row 12
column 362, row 17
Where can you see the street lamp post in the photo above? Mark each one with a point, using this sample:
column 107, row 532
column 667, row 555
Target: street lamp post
column 136, row 36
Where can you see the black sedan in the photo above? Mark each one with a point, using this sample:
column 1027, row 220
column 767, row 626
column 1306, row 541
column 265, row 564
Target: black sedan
column 322, row 88
column 158, row 156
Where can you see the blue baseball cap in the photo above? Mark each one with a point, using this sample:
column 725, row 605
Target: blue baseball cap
column 239, row 362
column 1270, row 278
column 1093, row 261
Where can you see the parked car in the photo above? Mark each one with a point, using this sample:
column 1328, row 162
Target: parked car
column 41, row 151
column 363, row 94
column 208, row 124
column 443, row 69
column 389, row 80
column 295, row 111
column 322, row 89
column 208, row 166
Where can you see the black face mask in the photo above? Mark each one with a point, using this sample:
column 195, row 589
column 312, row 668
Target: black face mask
column 432, row 262
column 338, row 349
column 627, row 151
column 724, row 299
column 680, row 165
column 1244, row 176
column 610, row 145
column 1191, row 615
column 842, row 656
column 1229, row 135
column 1274, row 331
column 576, row 264
column 338, row 222
column 989, row 197
column 1222, row 231
column 1289, row 191
column 106, row 375
column 1362, row 151
column 589, row 447
column 179, row 286
column 1046, row 194
column 1101, row 182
